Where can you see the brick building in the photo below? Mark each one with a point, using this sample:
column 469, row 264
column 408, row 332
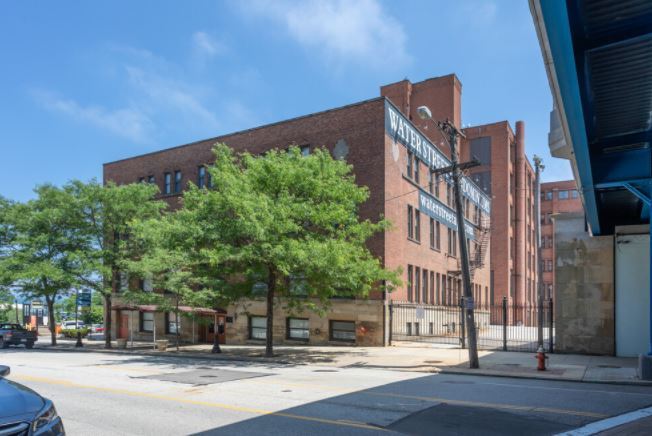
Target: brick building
column 556, row 197
column 391, row 152
column 506, row 175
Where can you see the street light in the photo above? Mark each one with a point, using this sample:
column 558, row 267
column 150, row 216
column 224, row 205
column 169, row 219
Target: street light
column 446, row 127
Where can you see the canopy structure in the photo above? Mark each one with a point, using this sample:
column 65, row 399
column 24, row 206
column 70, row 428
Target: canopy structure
column 156, row 308
column 598, row 56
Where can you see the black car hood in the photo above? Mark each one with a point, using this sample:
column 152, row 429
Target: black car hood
column 18, row 402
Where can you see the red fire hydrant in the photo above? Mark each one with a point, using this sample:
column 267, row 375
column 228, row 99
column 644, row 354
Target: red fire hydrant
column 541, row 359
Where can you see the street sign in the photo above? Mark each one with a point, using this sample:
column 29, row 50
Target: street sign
column 37, row 303
column 84, row 299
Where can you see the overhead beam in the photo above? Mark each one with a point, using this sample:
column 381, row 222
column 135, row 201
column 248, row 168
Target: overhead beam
column 637, row 27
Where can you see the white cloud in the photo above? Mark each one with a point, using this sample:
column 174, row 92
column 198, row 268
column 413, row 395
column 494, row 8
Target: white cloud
column 341, row 30
column 164, row 94
column 129, row 123
column 207, row 45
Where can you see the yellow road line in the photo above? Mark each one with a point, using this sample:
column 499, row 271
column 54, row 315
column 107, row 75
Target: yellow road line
column 243, row 409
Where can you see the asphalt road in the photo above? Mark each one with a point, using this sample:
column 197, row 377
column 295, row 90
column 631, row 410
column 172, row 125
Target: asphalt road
column 109, row 394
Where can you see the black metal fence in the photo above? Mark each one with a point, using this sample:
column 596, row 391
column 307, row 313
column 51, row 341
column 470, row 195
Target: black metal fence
column 499, row 327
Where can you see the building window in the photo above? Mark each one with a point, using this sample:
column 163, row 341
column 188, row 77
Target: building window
column 562, row 195
column 548, row 195
column 146, row 284
column 449, row 194
column 201, row 176
column 409, row 282
column 416, row 170
column 257, row 327
column 424, row 286
column 549, row 265
column 417, row 225
column 305, row 150
column 437, row 235
column 177, row 182
column 432, row 233
column 343, row 331
column 432, row 287
column 298, row 329
column 141, row 179
column 574, row 193
column 172, row 324
column 431, row 182
column 437, row 186
column 151, row 179
column 168, row 181
column 452, row 242
column 124, row 281
column 410, row 158
column 410, row 222
column 147, row 322
column 437, row 299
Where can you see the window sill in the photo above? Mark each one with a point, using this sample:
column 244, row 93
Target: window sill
column 438, row 250
column 414, row 240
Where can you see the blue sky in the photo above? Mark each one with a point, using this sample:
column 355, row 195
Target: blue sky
column 84, row 83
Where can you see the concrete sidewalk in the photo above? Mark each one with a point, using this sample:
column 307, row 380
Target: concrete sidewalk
column 402, row 357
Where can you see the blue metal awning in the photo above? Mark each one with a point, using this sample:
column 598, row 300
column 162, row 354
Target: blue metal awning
column 598, row 54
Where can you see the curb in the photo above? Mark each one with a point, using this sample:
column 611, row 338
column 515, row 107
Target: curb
column 264, row 360
column 535, row 377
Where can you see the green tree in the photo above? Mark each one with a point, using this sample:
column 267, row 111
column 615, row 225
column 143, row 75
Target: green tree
column 292, row 222
column 41, row 240
column 174, row 259
column 109, row 212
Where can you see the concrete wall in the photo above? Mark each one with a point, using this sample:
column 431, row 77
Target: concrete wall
column 584, row 288
column 368, row 316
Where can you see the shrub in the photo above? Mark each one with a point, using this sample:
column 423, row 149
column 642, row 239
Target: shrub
column 72, row 333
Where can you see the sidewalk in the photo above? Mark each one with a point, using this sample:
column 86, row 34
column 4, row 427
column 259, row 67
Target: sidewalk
column 400, row 357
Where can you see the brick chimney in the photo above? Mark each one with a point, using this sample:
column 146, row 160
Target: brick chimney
column 443, row 95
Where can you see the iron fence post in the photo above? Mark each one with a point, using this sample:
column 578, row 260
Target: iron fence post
column 550, row 326
column 462, row 324
column 504, row 323
column 391, row 322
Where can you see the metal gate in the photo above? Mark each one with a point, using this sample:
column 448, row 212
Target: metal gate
column 498, row 327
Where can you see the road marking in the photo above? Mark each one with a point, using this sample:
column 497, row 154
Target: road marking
column 242, row 409
column 568, row 389
column 606, row 424
column 436, row 399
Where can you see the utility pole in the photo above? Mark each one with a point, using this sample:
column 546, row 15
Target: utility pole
column 16, row 304
column 79, row 340
column 538, row 167
column 451, row 133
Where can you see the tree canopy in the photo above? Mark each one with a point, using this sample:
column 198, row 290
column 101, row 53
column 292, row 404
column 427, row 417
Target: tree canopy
column 288, row 221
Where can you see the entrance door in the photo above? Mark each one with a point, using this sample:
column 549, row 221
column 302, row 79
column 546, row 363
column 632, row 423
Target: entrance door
column 123, row 331
column 632, row 294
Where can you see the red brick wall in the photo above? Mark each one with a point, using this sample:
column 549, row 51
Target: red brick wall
column 360, row 125
column 511, row 225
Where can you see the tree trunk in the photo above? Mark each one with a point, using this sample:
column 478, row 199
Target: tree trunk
column 176, row 330
column 107, row 320
column 52, row 322
column 271, row 288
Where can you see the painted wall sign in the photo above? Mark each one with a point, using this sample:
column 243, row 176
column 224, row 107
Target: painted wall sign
column 402, row 130
column 442, row 213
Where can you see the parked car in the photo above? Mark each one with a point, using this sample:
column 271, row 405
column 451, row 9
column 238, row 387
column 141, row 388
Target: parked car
column 97, row 328
column 68, row 325
column 16, row 334
column 24, row 412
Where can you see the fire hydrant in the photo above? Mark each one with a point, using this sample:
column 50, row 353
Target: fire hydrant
column 541, row 359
